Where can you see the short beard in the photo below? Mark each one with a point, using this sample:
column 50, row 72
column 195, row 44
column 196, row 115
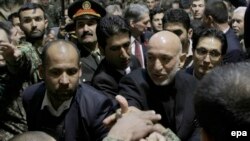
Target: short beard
column 34, row 39
column 171, row 76
column 90, row 45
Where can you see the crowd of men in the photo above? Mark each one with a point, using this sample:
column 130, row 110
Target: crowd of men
column 116, row 70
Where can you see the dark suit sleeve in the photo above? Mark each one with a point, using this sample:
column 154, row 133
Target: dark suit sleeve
column 234, row 52
column 233, row 56
column 106, row 84
column 87, row 114
column 32, row 98
column 133, row 89
column 105, row 109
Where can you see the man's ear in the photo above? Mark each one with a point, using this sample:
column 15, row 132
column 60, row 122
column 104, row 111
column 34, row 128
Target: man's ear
column 190, row 33
column 182, row 58
column 102, row 50
column 46, row 22
column 41, row 71
column 80, row 69
column 210, row 20
column 132, row 23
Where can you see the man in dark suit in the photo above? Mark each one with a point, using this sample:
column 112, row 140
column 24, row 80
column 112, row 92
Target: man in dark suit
column 60, row 106
column 161, row 87
column 86, row 14
column 113, row 37
column 216, row 15
column 137, row 17
column 208, row 48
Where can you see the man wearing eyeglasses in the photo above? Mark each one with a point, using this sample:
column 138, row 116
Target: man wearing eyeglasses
column 208, row 48
column 216, row 16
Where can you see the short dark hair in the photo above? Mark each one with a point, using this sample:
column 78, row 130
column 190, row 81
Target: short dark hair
column 218, row 10
column 48, row 45
column 109, row 26
column 155, row 11
column 29, row 6
column 12, row 15
column 196, row 0
column 211, row 32
column 178, row 16
column 222, row 101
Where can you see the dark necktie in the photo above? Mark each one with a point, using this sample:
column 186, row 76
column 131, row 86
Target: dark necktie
column 138, row 52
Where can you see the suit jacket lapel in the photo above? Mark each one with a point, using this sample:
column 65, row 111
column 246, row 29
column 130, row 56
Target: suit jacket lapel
column 89, row 61
column 134, row 63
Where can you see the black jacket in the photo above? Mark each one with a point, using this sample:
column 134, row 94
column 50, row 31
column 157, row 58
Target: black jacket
column 174, row 101
column 82, row 121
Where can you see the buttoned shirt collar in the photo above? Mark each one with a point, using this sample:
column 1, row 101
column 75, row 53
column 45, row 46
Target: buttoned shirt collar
column 64, row 106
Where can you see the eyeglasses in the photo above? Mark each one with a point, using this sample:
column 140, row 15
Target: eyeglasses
column 213, row 54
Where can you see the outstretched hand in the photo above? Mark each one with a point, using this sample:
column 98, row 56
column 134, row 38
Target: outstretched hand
column 134, row 125
column 9, row 52
column 124, row 108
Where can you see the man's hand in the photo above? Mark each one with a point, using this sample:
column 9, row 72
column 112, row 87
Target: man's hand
column 10, row 53
column 155, row 136
column 124, row 108
column 134, row 125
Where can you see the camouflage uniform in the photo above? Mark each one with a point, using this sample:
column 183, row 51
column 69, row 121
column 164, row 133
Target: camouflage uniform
column 23, row 73
column 12, row 114
column 168, row 134
column 31, row 59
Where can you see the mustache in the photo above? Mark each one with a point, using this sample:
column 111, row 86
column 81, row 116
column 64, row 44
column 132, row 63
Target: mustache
column 86, row 33
column 33, row 30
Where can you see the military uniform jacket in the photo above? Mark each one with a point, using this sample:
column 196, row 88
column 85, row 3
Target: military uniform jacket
column 88, row 63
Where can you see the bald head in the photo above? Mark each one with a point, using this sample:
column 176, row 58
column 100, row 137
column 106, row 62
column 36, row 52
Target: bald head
column 241, row 9
column 59, row 47
column 163, row 57
column 165, row 39
column 33, row 136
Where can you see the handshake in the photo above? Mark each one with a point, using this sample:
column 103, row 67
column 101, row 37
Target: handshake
column 132, row 124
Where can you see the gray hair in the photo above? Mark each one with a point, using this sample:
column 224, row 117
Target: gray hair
column 135, row 12
column 241, row 8
column 111, row 9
